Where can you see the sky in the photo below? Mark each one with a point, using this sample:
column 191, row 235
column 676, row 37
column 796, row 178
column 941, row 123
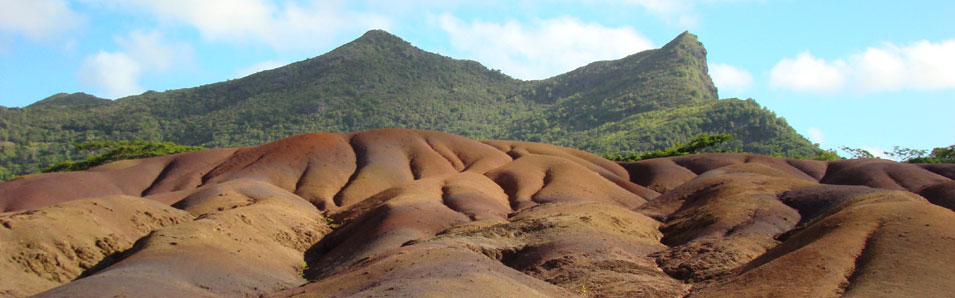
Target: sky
column 862, row 74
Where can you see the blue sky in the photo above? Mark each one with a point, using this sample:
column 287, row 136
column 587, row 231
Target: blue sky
column 863, row 74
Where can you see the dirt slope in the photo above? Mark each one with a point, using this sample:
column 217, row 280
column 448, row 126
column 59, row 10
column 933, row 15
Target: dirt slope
column 422, row 213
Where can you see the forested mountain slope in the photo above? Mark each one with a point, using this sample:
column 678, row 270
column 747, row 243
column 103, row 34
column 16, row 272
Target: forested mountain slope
column 645, row 101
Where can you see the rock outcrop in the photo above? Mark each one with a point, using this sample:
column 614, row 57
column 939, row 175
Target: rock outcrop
column 422, row 213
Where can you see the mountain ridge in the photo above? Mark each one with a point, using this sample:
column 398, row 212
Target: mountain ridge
column 381, row 81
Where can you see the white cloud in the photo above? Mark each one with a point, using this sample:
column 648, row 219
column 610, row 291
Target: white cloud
column 919, row 66
column 37, row 19
column 879, row 69
column 118, row 73
column 153, row 53
column 261, row 66
column 286, row 25
column 816, row 136
column 729, row 79
column 541, row 48
column 922, row 65
column 808, row 73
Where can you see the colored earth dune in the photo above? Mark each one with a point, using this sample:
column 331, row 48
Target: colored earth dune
column 421, row 213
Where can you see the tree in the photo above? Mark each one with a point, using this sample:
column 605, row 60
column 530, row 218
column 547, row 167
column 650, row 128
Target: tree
column 906, row 154
column 938, row 155
column 857, row 153
column 824, row 155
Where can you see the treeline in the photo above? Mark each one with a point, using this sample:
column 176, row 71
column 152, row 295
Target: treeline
column 695, row 145
column 904, row 154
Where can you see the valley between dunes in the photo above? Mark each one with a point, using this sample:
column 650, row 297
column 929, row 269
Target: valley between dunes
column 413, row 213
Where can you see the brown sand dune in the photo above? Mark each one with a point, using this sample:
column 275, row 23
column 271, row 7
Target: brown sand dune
column 420, row 213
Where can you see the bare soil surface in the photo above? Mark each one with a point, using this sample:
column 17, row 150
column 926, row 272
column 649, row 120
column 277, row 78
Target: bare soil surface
column 409, row 213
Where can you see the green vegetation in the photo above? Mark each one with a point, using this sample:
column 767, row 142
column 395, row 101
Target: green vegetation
column 644, row 102
column 905, row 154
column 824, row 155
column 331, row 223
column 938, row 155
column 303, row 267
column 104, row 152
column 695, row 145
column 857, row 153
column 75, row 99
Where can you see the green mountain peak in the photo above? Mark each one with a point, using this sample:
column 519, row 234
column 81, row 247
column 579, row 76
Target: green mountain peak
column 670, row 77
column 379, row 35
column 66, row 99
column 686, row 38
column 375, row 43
column 688, row 52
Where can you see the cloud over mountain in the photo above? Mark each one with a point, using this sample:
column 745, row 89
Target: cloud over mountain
column 118, row 73
column 284, row 26
column 731, row 80
column 921, row 65
column 543, row 47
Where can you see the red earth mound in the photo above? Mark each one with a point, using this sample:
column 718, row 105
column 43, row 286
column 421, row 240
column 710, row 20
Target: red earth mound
column 422, row 213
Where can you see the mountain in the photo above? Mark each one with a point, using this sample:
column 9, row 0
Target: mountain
column 413, row 213
column 645, row 101
column 67, row 100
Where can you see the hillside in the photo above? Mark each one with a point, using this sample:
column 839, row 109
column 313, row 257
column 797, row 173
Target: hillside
column 69, row 100
column 413, row 213
column 645, row 101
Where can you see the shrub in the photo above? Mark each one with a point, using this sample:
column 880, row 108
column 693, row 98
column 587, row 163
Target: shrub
column 109, row 151
column 695, row 145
